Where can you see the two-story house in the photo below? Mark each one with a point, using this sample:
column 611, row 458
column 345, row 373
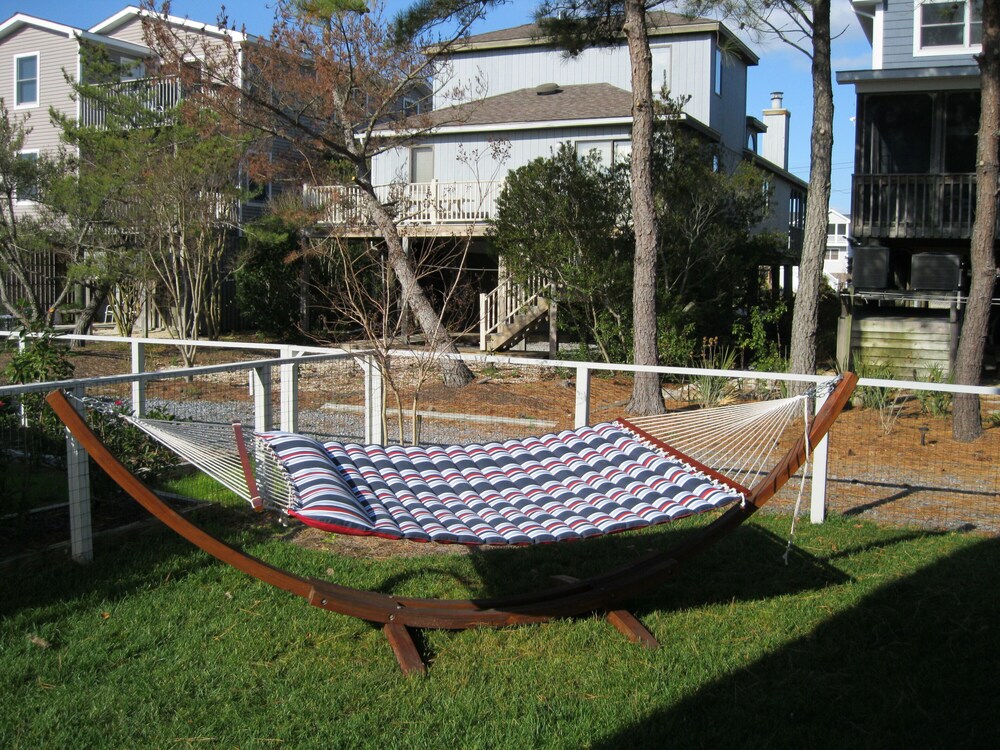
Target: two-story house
column 41, row 60
column 512, row 87
column 914, row 188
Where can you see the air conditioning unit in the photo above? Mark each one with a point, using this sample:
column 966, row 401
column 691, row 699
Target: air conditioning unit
column 871, row 268
column 936, row 272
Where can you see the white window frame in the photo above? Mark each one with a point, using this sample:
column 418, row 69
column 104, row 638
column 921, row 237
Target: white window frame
column 952, row 49
column 38, row 155
column 38, row 80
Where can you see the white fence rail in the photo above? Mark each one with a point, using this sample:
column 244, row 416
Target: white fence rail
column 290, row 359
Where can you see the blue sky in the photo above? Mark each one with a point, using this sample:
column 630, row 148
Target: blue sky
column 781, row 68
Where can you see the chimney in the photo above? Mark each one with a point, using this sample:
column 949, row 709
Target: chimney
column 776, row 138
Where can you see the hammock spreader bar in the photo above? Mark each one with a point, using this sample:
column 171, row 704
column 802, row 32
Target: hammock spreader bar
column 398, row 615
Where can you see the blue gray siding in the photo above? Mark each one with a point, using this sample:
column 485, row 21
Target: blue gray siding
column 897, row 50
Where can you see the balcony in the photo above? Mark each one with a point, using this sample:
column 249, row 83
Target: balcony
column 416, row 203
column 155, row 95
column 913, row 206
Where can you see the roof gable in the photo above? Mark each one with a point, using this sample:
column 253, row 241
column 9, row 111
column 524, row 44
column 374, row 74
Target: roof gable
column 108, row 25
column 18, row 20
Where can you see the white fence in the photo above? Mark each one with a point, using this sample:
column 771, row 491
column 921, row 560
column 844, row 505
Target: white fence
column 282, row 372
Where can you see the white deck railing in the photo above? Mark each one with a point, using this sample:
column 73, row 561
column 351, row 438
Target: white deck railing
column 434, row 202
column 156, row 95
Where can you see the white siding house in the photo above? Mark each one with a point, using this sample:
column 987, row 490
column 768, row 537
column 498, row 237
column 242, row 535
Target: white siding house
column 512, row 87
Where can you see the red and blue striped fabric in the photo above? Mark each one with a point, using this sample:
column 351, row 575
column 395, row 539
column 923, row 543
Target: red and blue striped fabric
column 571, row 485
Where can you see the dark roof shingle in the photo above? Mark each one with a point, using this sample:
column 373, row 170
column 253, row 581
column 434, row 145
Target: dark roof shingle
column 581, row 102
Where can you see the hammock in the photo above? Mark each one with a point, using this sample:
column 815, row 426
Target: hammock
column 571, row 485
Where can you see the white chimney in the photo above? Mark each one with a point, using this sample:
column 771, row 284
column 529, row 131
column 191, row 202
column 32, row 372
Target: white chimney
column 776, row 138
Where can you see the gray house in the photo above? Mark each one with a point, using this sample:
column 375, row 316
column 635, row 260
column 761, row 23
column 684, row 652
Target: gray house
column 512, row 87
column 914, row 187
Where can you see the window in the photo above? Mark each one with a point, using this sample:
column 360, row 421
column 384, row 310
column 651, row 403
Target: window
column 661, row 67
column 27, row 189
column 26, row 80
column 412, row 106
column 607, row 152
column 421, row 164
column 832, row 253
column 718, row 72
column 949, row 26
column 132, row 69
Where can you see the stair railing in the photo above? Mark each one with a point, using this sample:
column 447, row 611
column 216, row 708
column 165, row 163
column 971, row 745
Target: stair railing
column 499, row 307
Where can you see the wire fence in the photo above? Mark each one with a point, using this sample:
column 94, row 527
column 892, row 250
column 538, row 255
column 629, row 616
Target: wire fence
column 890, row 457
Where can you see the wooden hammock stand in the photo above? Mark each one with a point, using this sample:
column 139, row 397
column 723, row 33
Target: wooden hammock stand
column 398, row 614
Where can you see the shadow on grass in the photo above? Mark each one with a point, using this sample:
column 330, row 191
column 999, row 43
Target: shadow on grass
column 913, row 665
column 747, row 565
column 126, row 564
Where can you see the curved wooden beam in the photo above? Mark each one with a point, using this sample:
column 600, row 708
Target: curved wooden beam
column 603, row 592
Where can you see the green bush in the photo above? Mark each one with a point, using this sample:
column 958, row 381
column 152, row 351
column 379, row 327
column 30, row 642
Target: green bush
column 934, row 403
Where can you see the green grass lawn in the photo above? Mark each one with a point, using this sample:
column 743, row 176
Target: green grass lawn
column 871, row 637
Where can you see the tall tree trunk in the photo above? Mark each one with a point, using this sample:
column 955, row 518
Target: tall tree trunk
column 967, row 423
column 647, row 397
column 805, row 318
column 454, row 371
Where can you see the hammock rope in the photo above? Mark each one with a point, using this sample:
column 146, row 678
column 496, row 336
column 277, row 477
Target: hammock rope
column 737, row 439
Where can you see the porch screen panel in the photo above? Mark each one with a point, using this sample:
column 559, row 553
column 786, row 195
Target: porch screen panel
column 898, row 134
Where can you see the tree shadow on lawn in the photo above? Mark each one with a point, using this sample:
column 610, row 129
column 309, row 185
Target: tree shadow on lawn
column 746, row 565
column 913, row 665
column 132, row 562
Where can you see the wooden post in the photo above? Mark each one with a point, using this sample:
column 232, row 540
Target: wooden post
column 553, row 330
column 260, row 387
column 582, row 396
column 954, row 330
column 482, row 322
column 820, row 462
column 289, row 392
column 374, row 395
column 81, row 532
column 138, row 385
column 844, row 326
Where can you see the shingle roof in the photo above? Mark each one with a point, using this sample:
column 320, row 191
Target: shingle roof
column 582, row 102
column 659, row 19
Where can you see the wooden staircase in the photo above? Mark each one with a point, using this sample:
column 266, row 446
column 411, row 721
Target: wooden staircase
column 512, row 311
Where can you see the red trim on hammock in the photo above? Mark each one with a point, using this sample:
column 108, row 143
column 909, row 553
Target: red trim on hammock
column 673, row 452
column 336, row 528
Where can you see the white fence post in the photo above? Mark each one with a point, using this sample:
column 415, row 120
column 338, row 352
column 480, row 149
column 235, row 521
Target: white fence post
column 81, row 532
column 289, row 392
column 582, row 396
column 260, row 386
column 138, row 386
column 820, row 460
column 374, row 396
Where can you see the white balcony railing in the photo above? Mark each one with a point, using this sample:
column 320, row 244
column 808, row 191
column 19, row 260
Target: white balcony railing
column 433, row 202
column 156, row 95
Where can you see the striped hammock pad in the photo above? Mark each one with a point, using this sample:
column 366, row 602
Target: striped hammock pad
column 558, row 487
